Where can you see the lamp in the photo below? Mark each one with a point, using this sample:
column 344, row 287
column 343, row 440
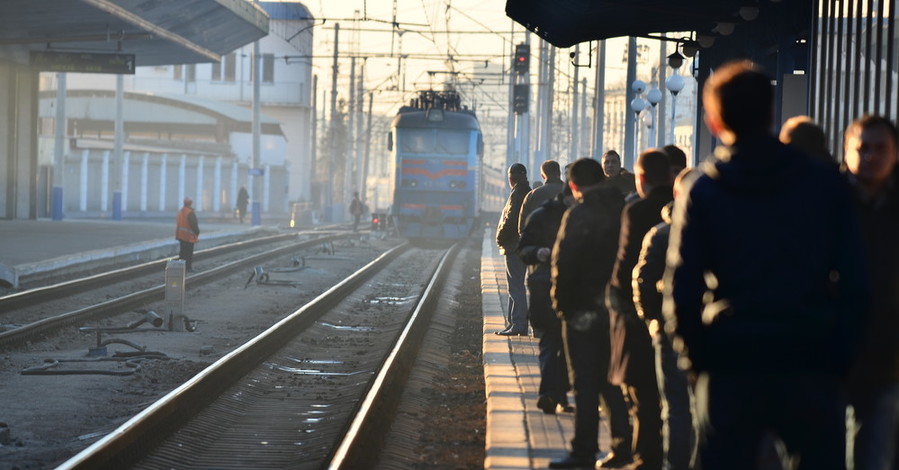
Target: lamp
column 674, row 84
column 675, row 60
column 705, row 40
column 639, row 86
column 690, row 48
column 654, row 95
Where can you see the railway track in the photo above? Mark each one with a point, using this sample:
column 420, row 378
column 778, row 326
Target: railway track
column 316, row 390
column 41, row 324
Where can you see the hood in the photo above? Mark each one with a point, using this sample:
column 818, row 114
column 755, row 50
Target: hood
column 760, row 164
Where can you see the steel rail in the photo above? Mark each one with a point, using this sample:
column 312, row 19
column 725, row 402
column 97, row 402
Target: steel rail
column 55, row 291
column 123, row 447
column 152, row 294
column 366, row 433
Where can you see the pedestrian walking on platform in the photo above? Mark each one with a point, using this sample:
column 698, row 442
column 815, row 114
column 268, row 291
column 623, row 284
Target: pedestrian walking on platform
column 507, row 241
column 633, row 357
column 765, row 286
column 187, row 232
column 243, row 200
column 582, row 261
column 678, row 441
column 870, row 159
column 538, row 235
column 617, row 176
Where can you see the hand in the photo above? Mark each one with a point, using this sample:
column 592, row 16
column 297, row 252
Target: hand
column 543, row 254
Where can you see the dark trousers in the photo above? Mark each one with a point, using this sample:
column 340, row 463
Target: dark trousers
column 517, row 312
column 677, row 417
column 356, row 218
column 187, row 254
column 587, row 349
column 547, row 327
column 735, row 410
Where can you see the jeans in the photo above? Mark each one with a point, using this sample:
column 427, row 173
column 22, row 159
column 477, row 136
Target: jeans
column 517, row 313
column 877, row 415
column 588, row 357
column 735, row 410
column 677, row 417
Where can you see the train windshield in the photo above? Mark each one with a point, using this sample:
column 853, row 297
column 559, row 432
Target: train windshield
column 433, row 141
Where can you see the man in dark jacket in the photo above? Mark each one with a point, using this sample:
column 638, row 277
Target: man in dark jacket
column 870, row 158
column 537, row 239
column 617, row 176
column 677, row 426
column 507, row 241
column 633, row 358
column 766, row 285
column 582, row 260
column 551, row 187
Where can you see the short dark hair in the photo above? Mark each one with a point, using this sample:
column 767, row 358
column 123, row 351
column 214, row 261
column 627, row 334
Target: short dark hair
column 611, row 152
column 551, row 168
column 585, row 172
column 655, row 166
column 676, row 157
column 869, row 121
column 741, row 97
column 518, row 169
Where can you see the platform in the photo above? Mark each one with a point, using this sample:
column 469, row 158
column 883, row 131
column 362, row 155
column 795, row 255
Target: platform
column 34, row 248
column 519, row 435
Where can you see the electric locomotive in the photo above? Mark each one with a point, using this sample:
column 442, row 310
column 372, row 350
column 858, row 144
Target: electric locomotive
column 436, row 149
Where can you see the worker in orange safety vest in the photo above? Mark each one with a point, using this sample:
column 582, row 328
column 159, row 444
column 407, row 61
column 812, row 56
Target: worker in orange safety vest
column 187, row 232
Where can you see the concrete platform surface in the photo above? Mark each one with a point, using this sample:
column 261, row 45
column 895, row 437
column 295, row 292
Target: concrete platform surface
column 519, row 435
column 29, row 247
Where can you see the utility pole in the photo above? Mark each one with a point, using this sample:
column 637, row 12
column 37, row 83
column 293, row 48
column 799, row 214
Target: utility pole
column 360, row 162
column 630, row 124
column 510, row 119
column 367, row 156
column 575, row 121
column 349, row 176
column 548, row 103
column 599, row 103
column 662, row 136
column 257, row 129
column 313, row 154
column 332, row 134
column 584, row 141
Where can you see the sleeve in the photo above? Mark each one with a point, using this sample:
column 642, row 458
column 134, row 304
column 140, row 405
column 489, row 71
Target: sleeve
column 531, row 238
column 648, row 274
column 684, row 285
column 525, row 210
column 566, row 255
column 192, row 221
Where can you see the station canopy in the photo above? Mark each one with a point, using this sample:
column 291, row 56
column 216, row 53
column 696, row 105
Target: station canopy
column 564, row 23
column 155, row 32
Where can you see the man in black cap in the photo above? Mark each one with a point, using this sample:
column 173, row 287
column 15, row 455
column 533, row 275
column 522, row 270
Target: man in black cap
column 507, row 239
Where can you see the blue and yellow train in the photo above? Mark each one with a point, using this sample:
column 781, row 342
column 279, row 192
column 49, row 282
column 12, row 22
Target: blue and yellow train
column 436, row 149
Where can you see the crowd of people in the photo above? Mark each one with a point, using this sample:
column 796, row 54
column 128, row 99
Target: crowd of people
column 716, row 309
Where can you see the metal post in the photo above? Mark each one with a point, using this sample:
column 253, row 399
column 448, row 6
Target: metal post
column 257, row 128
column 59, row 148
column 348, row 175
column 630, row 125
column 117, row 146
column 599, row 109
column 663, row 72
column 313, row 123
column 575, row 122
column 366, row 156
column 332, row 140
column 360, row 100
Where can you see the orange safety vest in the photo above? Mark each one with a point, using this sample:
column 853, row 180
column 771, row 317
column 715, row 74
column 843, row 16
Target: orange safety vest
column 183, row 230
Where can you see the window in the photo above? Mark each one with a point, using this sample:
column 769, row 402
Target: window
column 216, row 71
column 230, row 67
column 416, row 141
column 178, row 72
column 192, row 73
column 268, row 68
column 452, row 142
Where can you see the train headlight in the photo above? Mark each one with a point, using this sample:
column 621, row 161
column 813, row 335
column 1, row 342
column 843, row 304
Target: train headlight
column 458, row 184
column 410, row 183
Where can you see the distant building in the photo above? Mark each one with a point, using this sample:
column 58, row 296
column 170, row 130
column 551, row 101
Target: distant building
column 195, row 119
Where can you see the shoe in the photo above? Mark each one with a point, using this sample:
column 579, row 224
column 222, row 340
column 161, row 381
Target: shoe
column 615, row 461
column 573, row 462
column 501, row 331
column 567, row 407
column 547, row 404
column 512, row 333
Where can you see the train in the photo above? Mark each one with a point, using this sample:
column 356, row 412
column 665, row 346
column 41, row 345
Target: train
column 436, row 153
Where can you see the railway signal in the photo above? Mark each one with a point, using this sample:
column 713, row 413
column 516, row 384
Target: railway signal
column 520, row 97
column 522, row 61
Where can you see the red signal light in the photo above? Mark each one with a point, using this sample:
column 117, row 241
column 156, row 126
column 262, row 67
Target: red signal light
column 375, row 220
